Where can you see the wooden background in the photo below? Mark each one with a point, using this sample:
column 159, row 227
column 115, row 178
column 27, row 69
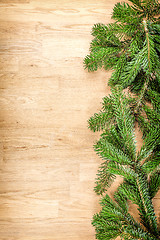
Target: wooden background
column 47, row 164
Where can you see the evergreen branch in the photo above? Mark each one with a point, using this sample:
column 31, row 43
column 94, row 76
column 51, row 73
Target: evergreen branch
column 152, row 163
column 141, row 97
column 137, row 3
column 106, row 35
column 131, row 47
column 101, row 56
column 154, row 183
column 109, row 152
column 137, row 192
column 151, row 64
column 122, row 170
column 118, row 70
column 100, row 121
column 113, row 221
column 104, row 179
column 132, row 68
column 151, row 142
column 129, row 189
column 125, row 121
column 122, row 200
column 153, row 115
column 154, row 97
column 146, row 207
column 123, row 9
column 146, row 9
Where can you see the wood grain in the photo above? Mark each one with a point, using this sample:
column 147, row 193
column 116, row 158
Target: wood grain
column 47, row 164
column 15, row 1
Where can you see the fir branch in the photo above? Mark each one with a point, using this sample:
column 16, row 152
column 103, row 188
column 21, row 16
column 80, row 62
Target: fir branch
column 125, row 121
column 153, row 114
column 154, row 97
column 148, row 216
column 138, row 193
column 113, row 221
column 152, row 163
column 109, row 152
column 104, row 179
column 100, row 121
column 137, row 3
column 122, row 170
column 124, row 9
column 131, row 48
column 154, row 183
column 151, row 142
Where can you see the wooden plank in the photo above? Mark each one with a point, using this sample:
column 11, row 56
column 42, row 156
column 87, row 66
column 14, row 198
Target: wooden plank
column 14, row 1
column 50, row 229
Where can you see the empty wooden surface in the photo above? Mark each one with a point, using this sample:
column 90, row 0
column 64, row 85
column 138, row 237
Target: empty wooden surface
column 47, row 164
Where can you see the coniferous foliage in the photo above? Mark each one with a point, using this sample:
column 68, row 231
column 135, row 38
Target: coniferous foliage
column 140, row 170
column 131, row 48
